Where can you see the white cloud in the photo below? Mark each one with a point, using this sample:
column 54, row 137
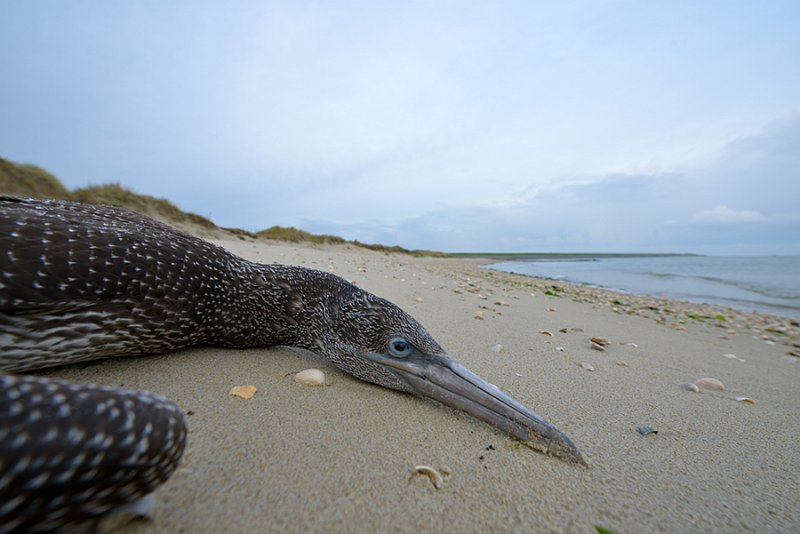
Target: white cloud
column 724, row 214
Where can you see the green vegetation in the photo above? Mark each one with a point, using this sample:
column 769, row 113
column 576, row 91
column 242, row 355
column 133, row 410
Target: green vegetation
column 31, row 181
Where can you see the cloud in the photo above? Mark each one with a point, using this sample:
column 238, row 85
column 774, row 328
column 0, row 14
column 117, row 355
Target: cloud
column 754, row 180
column 724, row 214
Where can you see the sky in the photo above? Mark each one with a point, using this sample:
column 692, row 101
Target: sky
column 507, row 126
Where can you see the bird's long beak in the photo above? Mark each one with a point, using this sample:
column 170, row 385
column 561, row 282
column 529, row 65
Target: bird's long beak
column 447, row 381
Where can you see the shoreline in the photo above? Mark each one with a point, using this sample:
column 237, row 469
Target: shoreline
column 342, row 457
column 671, row 311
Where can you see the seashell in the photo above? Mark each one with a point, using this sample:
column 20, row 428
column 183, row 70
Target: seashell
column 746, row 399
column 587, row 366
column 418, row 299
column 245, row 392
column 596, row 346
column 497, row 348
column 646, row 430
column 622, row 363
column 600, row 341
column 479, row 314
column 689, row 387
column 310, row 377
column 730, row 356
column 560, row 349
column 519, row 375
column 431, row 473
column 634, row 345
column 710, row 383
column 551, row 309
column 546, row 332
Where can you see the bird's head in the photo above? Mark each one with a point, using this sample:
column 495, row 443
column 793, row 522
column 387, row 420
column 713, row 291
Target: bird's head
column 376, row 341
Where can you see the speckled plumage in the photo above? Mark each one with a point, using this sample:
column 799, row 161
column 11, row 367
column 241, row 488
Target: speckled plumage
column 81, row 282
column 73, row 452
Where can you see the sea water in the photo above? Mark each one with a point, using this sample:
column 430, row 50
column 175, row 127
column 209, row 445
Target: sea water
column 769, row 284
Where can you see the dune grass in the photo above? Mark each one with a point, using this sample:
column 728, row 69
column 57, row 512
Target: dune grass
column 25, row 180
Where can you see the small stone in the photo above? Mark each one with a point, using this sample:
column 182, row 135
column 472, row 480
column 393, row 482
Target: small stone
column 622, row 363
column 497, row 347
column 587, row 366
column 689, row 387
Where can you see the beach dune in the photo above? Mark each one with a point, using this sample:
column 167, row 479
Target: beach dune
column 342, row 457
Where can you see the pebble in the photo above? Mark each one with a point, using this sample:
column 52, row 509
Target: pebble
column 497, row 348
column 310, row 377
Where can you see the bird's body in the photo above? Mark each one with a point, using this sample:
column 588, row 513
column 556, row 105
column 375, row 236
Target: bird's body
column 81, row 282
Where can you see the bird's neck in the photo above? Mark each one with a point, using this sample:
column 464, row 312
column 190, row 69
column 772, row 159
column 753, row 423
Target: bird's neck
column 274, row 305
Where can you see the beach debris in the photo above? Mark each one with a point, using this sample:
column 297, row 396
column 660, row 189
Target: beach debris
column 603, row 530
column 634, row 345
column 497, row 347
column 478, row 314
column 603, row 342
column 418, row 299
column 546, row 332
column 244, row 392
column 587, row 366
column 622, row 363
column 596, row 346
column 571, row 329
column 434, row 475
column 688, row 386
column 559, row 349
column 730, row 356
column 710, row 383
column 748, row 400
column 645, row 431
column 551, row 309
column 310, row 377
column 519, row 375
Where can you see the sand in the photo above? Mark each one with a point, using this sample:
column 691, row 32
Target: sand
column 341, row 458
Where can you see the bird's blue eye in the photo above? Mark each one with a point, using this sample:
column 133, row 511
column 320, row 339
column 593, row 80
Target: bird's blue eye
column 400, row 348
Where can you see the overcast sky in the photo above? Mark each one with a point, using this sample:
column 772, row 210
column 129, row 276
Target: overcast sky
column 493, row 126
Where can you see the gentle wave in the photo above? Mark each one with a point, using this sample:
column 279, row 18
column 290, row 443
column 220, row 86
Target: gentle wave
column 768, row 284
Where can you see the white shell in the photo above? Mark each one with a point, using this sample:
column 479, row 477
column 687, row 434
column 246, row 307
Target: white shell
column 310, row 377
column 710, row 383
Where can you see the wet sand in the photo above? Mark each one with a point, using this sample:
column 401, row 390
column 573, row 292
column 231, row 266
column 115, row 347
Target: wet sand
column 341, row 458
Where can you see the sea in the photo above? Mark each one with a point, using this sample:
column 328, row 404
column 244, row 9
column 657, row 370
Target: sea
column 769, row 284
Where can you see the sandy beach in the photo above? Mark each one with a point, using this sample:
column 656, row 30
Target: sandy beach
column 341, row 458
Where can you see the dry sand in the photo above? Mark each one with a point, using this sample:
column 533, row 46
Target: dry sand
column 340, row 458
